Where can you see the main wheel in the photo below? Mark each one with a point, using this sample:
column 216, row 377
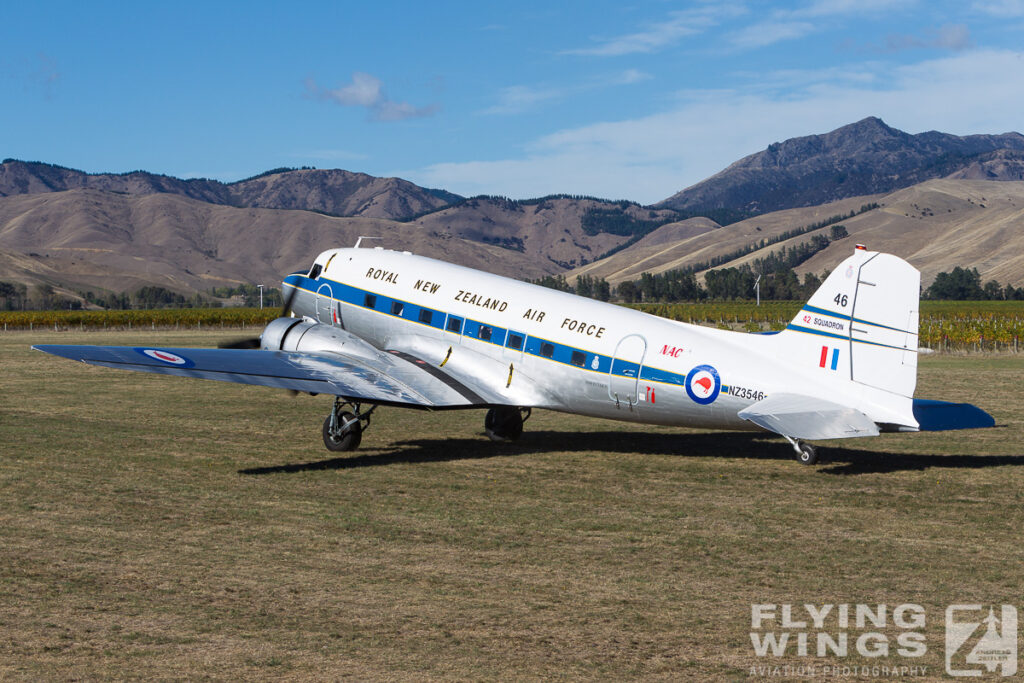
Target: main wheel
column 808, row 454
column 504, row 423
column 347, row 438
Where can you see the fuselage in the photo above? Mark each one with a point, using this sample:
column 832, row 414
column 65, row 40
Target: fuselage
column 585, row 356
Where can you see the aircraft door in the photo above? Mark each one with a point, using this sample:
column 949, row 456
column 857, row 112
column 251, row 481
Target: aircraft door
column 324, row 302
column 624, row 375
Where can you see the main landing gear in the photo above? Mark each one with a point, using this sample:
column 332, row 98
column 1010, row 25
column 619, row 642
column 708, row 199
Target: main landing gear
column 343, row 429
column 806, row 454
column 505, row 423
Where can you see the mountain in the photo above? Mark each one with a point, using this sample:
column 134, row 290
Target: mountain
column 863, row 158
column 334, row 192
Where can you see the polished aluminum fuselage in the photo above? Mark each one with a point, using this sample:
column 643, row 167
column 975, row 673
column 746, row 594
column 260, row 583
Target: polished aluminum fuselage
column 552, row 349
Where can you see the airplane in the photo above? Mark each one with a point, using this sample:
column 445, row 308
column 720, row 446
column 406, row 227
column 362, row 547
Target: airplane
column 375, row 327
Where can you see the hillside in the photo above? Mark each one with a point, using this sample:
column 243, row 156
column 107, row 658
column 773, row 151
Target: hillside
column 670, row 247
column 863, row 158
column 335, row 192
column 945, row 223
column 935, row 225
column 560, row 232
column 89, row 239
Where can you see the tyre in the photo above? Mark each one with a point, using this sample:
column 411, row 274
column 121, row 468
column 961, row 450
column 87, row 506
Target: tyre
column 504, row 423
column 350, row 436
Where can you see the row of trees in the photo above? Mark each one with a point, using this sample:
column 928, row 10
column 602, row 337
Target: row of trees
column 780, row 284
column 721, row 285
column 15, row 296
column 591, row 287
column 963, row 284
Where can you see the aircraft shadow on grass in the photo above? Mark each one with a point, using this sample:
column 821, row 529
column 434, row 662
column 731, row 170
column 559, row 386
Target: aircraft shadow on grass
column 835, row 460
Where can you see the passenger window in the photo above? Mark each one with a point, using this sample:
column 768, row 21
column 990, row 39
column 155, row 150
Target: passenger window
column 579, row 358
column 454, row 325
column 397, row 307
column 515, row 341
column 485, row 333
column 370, row 301
column 547, row 350
column 426, row 315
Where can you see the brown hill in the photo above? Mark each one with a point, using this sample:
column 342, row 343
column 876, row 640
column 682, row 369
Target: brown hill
column 87, row 239
column 335, row 192
column 941, row 224
column 935, row 225
column 339, row 193
column 560, row 232
column 657, row 253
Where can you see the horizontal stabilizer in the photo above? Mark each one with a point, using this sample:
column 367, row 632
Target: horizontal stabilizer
column 805, row 417
column 940, row 416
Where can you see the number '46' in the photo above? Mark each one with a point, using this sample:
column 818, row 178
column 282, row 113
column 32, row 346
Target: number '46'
column 842, row 300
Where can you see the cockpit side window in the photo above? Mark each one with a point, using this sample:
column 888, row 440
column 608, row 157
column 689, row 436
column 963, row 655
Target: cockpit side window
column 314, row 272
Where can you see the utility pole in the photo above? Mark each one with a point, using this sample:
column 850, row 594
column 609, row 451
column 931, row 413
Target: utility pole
column 261, row 296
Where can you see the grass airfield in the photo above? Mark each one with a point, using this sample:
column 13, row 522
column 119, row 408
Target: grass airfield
column 157, row 527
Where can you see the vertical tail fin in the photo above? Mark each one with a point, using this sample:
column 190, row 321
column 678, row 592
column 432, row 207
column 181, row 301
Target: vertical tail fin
column 864, row 317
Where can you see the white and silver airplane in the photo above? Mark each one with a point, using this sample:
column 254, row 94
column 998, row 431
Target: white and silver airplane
column 375, row 327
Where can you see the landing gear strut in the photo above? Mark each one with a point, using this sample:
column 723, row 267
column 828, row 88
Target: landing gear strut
column 505, row 423
column 343, row 429
column 806, row 454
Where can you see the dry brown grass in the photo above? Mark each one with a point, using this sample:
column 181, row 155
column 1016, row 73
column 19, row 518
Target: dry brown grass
column 155, row 527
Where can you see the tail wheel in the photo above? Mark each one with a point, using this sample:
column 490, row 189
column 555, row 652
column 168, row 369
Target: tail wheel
column 344, row 434
column 504, row 423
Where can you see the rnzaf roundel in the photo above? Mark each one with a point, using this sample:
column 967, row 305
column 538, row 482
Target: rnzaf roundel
column 166, row 357
column 703, row 384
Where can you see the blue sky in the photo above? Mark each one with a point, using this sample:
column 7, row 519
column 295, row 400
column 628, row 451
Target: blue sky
column 613, row 99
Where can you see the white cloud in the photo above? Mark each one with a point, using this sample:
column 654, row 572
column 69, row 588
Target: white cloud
column 367, row 91
column 946, row 37
column 952, row 37
column 628, row 77
column 770, row 32
column 796, row 23
column 654, row 36
column 363, row 91
column 1000, row 8
column 517, row 99
column 829, row 8
column 651, row 158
